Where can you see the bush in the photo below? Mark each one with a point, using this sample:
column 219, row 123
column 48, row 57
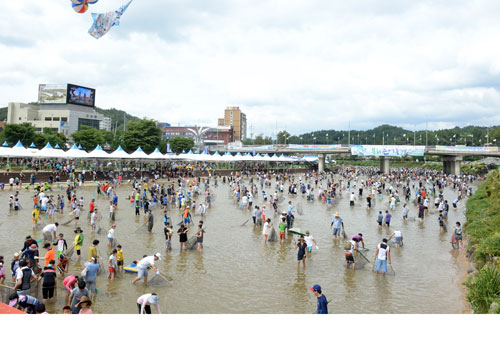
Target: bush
column 484, row 289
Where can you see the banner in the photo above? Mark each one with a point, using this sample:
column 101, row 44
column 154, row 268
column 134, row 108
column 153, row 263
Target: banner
column 387, row 150
column 467, row 148
column 314, row 147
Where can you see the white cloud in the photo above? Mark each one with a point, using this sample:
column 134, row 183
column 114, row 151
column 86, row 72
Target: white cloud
column 306, row 65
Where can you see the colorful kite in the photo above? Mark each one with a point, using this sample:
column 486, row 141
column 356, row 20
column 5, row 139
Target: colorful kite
column 103, row 22
column 81, row 6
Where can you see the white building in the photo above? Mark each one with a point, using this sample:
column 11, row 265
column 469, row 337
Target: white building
column 61, row 118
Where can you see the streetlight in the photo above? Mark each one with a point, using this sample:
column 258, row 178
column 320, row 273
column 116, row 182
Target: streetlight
column 327, row 138
column 301, row 141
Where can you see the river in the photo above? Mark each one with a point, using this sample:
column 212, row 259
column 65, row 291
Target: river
column 239, row 273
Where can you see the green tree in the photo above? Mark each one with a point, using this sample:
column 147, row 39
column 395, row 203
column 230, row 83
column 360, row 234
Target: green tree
column 283, row 137
column 261, row 140
column 142, row 133
column 179, row 144
column 163, row 146
column 24, row 132
column 89, row 137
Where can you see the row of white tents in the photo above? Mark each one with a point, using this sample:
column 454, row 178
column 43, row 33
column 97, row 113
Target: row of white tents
column 19, row 151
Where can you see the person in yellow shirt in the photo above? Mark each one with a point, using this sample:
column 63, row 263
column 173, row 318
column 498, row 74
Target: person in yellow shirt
column 119, row 258
column 78, row 242
column 93, row 250
column 35, row 215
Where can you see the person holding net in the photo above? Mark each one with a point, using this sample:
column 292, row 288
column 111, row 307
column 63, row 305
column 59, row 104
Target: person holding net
column 142, row 267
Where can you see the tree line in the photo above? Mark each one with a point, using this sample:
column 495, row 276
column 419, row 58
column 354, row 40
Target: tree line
column 143, row 133
column 388, row 135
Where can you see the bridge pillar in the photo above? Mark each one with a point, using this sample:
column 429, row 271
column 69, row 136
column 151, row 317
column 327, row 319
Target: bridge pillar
column 321, row 163
column 385, row 167
column 451, row 164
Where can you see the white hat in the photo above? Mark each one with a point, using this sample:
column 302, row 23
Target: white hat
column 153, row 299
column 158, row 255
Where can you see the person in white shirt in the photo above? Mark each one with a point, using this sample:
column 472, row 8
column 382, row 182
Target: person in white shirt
column 310, row 241
column 382, row 255
column 111, row 235
column 93, row 221
column 266, row 229
column 352, row 197
column 145, row 301
column 142, row 267
column 49, row 231
column 244, row 201
column 393, row 203
column 398, row 238
column 405, row 212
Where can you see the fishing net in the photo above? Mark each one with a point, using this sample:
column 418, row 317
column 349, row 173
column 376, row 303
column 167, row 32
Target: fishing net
column 36, row 289
column 390, row 270
column 67, row 222
column 99, row 228
column 5, row 292
column 300, row 209
column 158, row 280
column 114, row 244
column 191, row 244
column 273, row 237
column 70, row 251
column 344, row 235
column 143, row 227
column 392, row 244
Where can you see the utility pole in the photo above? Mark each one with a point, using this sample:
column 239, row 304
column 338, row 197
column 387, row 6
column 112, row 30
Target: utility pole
column 383, row 138
column 426, row 127
column 349, row 135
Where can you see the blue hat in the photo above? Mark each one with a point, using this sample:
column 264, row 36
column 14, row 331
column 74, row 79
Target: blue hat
column 316, row 287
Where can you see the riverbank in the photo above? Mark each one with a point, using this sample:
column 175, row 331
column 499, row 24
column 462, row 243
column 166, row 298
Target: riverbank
column 483, row 233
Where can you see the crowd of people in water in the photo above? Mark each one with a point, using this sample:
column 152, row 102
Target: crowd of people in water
column 33, row 277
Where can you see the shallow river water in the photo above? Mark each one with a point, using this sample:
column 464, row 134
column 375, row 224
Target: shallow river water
column 239, row 273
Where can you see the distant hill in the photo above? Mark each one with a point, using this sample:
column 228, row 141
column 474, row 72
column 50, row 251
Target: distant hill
column 115, row 115
column 397, row 135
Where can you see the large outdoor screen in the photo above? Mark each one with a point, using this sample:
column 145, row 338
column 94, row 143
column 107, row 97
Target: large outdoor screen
column 52, row 93
column 81, row 95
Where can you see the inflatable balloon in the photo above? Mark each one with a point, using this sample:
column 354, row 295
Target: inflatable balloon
column 81, row 6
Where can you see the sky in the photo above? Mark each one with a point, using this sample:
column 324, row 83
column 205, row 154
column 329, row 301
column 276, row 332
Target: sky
column 295, row 65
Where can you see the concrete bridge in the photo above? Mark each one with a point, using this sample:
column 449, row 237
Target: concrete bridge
column 451, row 156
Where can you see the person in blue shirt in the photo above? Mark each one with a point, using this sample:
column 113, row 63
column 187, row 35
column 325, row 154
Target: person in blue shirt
column 336, row 224
column 322, row 306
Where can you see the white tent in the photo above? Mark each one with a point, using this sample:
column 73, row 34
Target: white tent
column 156, row 154
column 4, row 150
column 98, row 152
column 49, row 152
column 74, row 152
column 138, row 154
column 18, row 151
column 187, row 156
column 119, row 153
